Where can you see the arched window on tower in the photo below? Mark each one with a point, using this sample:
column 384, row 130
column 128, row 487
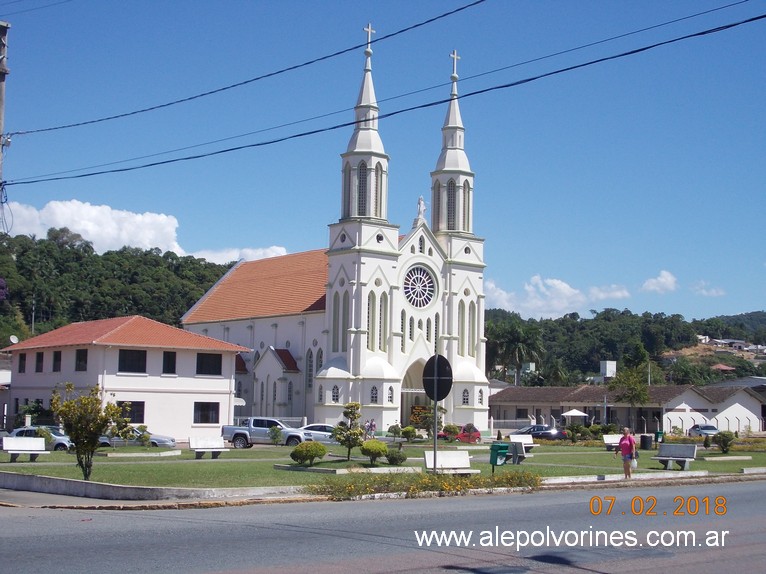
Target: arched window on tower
column 466, row 206
column 378, row 191
column 374, row 395
column 436, row 333
column 274, row 392
column 451, row 206
column 481, row 397
column 461, row 328
column 412, row 328
column 289, row 391
column 436, row 206
column 361, row 190
column 383, row 323
column 346, row 192
column 345, row 323
column 320, row 360
column 390, row 395
column 404, row 330
column 466, row 397
column 335, row 394
column 309, row 369
column 428, row 329
column 371, row 321
column 422, row 244
column 472, row 327
column 320, row 394
column 335, row 322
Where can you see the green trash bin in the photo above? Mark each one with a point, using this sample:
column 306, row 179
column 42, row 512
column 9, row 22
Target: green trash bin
column 498, row 453
column 658, row 436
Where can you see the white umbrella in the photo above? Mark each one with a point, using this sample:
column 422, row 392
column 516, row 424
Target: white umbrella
column 574, row 413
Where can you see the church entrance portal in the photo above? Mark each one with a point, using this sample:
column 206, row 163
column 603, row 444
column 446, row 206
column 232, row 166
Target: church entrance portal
column 413, row 396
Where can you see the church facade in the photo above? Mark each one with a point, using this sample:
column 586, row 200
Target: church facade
column 357, row 320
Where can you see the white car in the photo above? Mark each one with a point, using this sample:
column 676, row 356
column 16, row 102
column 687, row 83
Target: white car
column 703, row 430
column 320, row 432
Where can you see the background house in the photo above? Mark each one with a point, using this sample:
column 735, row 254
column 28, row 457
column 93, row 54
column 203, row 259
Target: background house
column 669, row 406
column 178, row 383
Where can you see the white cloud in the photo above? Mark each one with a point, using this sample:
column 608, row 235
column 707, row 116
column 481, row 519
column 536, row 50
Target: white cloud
column 608, row 292
column 110, row 229
column 665, row 282
column 702, row 288
column 106, row 228
column 542, row 298
column 235, row 254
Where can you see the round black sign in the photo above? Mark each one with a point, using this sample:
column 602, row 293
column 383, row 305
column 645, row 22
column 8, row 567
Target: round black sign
column 437, row 378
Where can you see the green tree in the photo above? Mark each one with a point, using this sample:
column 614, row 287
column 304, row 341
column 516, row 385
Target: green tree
column 630, row 386
column 85, row 417
column 348, row 433
column 374, row 449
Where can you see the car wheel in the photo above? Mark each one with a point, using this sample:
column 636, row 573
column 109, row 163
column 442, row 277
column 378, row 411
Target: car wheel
column 153, row 444
column 477, row 440
column 60, row 447
column 293, row 441
column 240, row 442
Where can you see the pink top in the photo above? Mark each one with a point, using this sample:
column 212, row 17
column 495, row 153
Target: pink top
column 627, row 445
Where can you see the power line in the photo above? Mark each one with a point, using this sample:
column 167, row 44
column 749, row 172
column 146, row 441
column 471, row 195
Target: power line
column 391, row 98
column 251, row 80
column 404, row 110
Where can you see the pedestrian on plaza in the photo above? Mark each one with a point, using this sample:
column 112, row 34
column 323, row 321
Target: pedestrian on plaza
column 373, row 428
column 627, row 448
column 366, row 429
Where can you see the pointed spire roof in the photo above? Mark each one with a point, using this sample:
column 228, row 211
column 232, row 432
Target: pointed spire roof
column 453, row 156
column 366, row 137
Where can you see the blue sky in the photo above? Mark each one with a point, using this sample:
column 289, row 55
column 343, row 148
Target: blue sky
column 637, row 183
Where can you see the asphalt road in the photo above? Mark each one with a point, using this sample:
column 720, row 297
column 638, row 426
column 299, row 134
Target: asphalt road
column 647, row 529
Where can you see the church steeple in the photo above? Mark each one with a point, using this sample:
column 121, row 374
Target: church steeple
column 452, row 180
column 365, row 163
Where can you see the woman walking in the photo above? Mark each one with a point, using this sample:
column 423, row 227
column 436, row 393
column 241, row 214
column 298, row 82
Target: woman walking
column 627, row 446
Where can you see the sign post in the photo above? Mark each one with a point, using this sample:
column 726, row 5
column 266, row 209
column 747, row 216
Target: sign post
column 437, row 383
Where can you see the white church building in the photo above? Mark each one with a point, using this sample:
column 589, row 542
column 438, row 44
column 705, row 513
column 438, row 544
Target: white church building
column 357, row 320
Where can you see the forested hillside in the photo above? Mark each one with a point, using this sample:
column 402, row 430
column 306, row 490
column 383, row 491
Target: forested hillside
column 47, row 283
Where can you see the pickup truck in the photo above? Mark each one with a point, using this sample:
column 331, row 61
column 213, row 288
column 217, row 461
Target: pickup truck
column 255, row 430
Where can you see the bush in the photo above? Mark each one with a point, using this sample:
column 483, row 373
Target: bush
column 395, row 431
column 451, row 431
column 308, row 451
column 409, row 433
column 374, row 449
column 706, row 442
column 724, row 440
column 275, row 434
column 395, row 456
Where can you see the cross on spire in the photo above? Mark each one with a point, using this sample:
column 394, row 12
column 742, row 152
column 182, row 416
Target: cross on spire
column 455, row 58
column 370, row 32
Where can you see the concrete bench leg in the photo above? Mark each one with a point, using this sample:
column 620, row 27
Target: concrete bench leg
column 14, row 457
column 32, row 457
column 198, row 455
column 214, row 454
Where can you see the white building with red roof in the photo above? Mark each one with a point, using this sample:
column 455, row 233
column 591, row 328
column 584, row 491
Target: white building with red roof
column 178, row 383
column 358, row 320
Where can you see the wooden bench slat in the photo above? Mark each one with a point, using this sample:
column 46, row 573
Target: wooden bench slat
column 681, row 454
column 449, row 462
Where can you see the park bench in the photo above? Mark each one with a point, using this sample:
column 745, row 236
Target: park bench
column 612, row 441
column 449, row 462
column 683, row 454
column 202, row 444
column 31, row 445
column 527, row 440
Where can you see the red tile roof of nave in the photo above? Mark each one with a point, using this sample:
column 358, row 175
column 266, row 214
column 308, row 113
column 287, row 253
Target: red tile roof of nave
column 130, row 331
column 285, row 285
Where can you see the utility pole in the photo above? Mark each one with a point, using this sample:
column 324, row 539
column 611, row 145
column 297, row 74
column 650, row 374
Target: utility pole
column 5, row 141
column 4, row 71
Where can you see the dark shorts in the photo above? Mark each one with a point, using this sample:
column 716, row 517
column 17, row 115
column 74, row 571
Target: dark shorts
column 627, row 457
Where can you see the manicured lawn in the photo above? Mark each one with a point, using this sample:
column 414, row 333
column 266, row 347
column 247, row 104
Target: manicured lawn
column 254, row 467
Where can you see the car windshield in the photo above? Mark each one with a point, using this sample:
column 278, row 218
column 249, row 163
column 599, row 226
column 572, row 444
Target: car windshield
column 708, row 427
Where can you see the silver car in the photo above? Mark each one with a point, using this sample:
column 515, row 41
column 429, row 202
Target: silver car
column 703, row 430
column 59, row 441
column 135, row 440
column 320, row 432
